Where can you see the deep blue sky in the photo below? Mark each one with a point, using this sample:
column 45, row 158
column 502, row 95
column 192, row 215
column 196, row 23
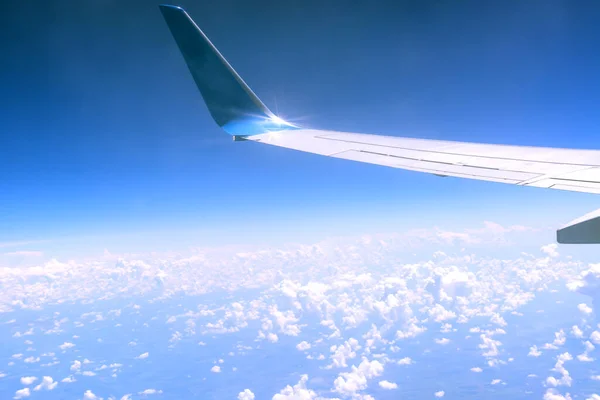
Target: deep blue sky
column 104, row 133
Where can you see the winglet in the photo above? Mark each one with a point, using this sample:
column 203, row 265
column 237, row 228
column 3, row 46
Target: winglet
column 232, row 104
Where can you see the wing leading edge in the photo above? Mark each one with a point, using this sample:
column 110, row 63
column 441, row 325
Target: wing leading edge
column 240, row 112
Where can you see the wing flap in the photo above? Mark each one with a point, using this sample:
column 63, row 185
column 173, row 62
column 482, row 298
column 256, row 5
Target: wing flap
column 434, row 167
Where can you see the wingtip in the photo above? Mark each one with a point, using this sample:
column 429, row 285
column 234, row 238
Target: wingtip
column 170, row 6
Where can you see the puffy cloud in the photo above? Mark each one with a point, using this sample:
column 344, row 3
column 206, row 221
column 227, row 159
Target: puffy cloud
column 441, row 393
column 476, row 369
column 411, row 331
column 559, row 338
column 69, row 379
column 489, row 345
column 405, row 361
column 28, row 380
column 439, row 313
column 22, row 393
column 585, row 357
column 553, row 394
column 550, row 250
column 565, row 379
column 344, row 352
column 302, row 346
column 76, row 366
column 388, row 385
column 577, row 332
column 148, row 392
column 588, row 283
column 349, row 383
column 66, row 345
column 89, row 395
column 143, row 356
column 296, row 392
column 47, row 383
column 584, row 308
column 246, row 395
column 595, row 337
column 534, row 352
column 442, row 341
column 216, row 369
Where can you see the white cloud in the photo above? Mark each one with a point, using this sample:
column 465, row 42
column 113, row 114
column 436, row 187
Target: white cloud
column 489, row 345
column 302, row 346
column 89, row 395
column 344, row 352
column 28, row 380
column 148, row 392
column 559, row 338
column 534, row 352
column 439, row 313
column 69, row 379
column 577, row 332
column 66, row 345
column 412, row 330
column 76, row 366
column 388, row 385
column 22, row 393
column 297, row 392
column 584, row 308
column 550, row 250
column 442, row 341
column 595, row 337
column 476, row 369
column 47, row 383
column 405, row 361
column 143, row 356
column 126, row 397
column 216, row 369
column 495, row 381
column 246, row 395
column 31, row 360
column 585, row 357
column 565, row 379
column 553, row 394
column 349, row 383
column 441, row 393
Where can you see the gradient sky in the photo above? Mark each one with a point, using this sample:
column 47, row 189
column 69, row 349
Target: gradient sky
column 104, row 134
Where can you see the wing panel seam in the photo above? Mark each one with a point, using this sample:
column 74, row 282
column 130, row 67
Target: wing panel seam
column 457, row 154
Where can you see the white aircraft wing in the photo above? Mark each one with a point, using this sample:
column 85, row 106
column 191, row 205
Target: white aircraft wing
column 566, row 169
column 242, row 114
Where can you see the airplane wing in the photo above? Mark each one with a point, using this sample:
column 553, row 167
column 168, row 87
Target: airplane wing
column 238, row 111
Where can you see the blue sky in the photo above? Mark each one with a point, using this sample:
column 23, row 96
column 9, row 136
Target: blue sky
column 106, row 137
